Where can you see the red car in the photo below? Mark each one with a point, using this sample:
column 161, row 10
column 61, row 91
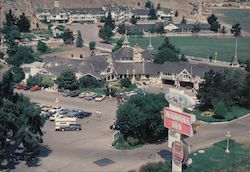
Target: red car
column 20, row 86
column 35, row 88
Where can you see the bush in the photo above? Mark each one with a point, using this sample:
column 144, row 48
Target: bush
column 133, row 141
column 220, row 109
column 92, row 45
column 126, row 83
column 42, row 47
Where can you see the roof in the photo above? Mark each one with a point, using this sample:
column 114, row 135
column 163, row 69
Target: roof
column 140, row 11
column 151, row 68
column 149, row 26
column 85, row 10
column 184, row 25
column 128, row 68
column 34, row 64
column 148, row 55
column 123, row 53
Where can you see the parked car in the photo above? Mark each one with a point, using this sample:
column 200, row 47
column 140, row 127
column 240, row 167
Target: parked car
column 27, row 88
column 20, row 86
column 74, row 93
column 82, row 95
column 100, row 98
column 35, row 88
column 66, row 93
column 70, row 127
column 46, row 114
column 83, row 114
column 54, row 116
column 64, row 111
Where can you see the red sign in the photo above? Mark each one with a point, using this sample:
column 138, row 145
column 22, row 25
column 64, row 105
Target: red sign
column 177, row 152
column 178, row 122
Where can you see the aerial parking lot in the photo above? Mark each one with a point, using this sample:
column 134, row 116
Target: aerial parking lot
column 89, row 149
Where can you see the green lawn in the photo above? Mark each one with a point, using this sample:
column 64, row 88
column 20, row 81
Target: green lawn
column 95, row 90
column 233, row 113
column 215, row 158
column 233, row 16
column 202, row 46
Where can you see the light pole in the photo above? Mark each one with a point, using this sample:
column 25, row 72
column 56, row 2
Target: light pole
column 228, row 135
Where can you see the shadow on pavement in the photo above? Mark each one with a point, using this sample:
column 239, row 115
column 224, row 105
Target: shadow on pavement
column 165, row 154
column 35, row 161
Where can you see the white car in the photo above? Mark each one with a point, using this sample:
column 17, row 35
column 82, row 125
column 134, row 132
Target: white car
column 99, row 98
column 53, row 117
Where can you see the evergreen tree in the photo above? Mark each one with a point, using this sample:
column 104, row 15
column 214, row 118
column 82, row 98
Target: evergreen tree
column 133, row 20
column 68, row 37
column 148, row 4
column 23, row 23
column 176, row 13
column 183, row 21
column 152, row 14
column 10, row 19
column 41, row 46
column 109, row 21
column 158, row 6
column 79, row 40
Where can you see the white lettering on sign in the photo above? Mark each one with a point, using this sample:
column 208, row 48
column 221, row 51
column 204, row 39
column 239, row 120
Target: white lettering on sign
column 176, row 125
column 177, row 117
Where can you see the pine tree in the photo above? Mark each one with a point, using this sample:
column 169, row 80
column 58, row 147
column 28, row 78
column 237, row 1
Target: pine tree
column 23, row 23
column 79, row 40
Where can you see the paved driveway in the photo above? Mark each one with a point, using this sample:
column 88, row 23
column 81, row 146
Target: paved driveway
column 77, row 151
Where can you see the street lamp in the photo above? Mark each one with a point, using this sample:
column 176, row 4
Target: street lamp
column 228, row 135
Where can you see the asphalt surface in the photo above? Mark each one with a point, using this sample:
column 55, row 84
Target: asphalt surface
column 78, row 151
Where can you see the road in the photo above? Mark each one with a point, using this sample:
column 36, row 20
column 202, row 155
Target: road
column 77, row 151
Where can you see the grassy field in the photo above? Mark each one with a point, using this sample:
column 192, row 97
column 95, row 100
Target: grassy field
column 216, row 159
column 202, row 46
column 233, row 16
column 233, row 113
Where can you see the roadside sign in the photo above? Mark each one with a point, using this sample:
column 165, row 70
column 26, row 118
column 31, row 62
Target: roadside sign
column 178, row 122
column 178, row 152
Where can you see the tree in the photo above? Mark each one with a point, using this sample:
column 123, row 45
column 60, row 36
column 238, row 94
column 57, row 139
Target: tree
column 106, row 33
column 125, row 82
column 92, row 45
column 109, row 21
column 1, row 55
column 152, row 14
column 223, row 29
column 155, row 167
column 183, row 58
column 236, row 31
column 133, row 20
column 148, row 4
column 165, row 54
column 226, row 86
column 23, row 55
column 20, row 119
column 140, row 117
column 220, row 109
column 183, row 21
column 160, row 29
column 23, row 23
column 90, row 82
column 211, row 19
column 79, row 40
column 158, row 6
column 35, row 80
column 68, row 37
column 176, row 14
column 18, row 74
column 118, row 44
column 47, row 81
column 67, row 80
column 121, row 28
column 214, row 24
column 10, row 20
column 42, row 46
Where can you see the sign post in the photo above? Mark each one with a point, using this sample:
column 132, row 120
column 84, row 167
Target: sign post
column 178, row 124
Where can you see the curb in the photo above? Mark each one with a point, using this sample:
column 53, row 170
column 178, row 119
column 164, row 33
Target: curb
column 225, row 122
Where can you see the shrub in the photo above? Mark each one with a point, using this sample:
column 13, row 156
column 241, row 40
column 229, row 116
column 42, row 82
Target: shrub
column 42, row 47
column 220, row 108
column 92, row 45
column 125, row 83
column 132, row 141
